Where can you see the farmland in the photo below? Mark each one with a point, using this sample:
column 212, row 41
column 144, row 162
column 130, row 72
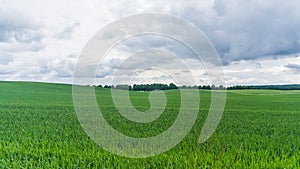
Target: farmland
column 39, row 129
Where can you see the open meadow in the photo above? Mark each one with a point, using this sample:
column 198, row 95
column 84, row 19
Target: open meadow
column 39, row 129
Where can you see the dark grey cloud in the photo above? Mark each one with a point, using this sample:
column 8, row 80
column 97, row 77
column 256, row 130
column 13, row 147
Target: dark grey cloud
column 239, row 30
column 73, row 55
column 150, row 58
column 19, row 32
column 150, row 41
column 262, row 28
column 15, row 25
column 136, row 63
column 67, row 32
column 242, row 30
column 28, row 36
column 4, row 72
column 102, row 73
column 294, row 67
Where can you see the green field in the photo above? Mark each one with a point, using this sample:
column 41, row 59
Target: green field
column 39, row 129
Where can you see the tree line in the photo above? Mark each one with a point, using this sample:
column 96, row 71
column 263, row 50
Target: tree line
column 142, row 87
column 266, row 87
column 160, row 86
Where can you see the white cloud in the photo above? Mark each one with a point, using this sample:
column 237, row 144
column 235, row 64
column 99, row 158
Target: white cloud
column 270, row 71
column 252, row 37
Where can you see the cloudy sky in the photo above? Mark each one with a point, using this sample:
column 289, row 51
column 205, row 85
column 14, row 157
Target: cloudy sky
column 257, row 41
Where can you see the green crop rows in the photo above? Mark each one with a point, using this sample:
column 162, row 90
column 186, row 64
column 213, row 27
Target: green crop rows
column 39, row 129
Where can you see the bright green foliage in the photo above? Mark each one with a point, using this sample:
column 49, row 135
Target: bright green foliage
column 39, row 129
